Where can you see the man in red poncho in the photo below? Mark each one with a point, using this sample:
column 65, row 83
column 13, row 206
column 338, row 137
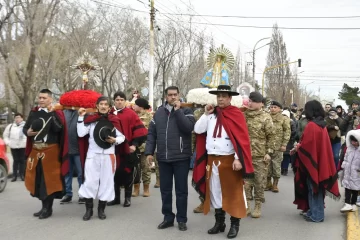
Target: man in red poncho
column 46, row 152
column 226, row 162
column 315, row 168
column 127, row 154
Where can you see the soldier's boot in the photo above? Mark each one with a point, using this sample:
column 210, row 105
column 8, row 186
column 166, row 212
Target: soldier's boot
column 256, row 213
column 275, row 188
column 146, row 190
column 101, row 210
column 269, row 185
column 248, row 209
column 157, row 184
column 136, row 190
column 89, row 204
column 219, row 222
column 234, row 227
column 199, row 209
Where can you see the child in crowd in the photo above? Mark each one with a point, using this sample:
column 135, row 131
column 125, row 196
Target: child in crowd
column 351, row 167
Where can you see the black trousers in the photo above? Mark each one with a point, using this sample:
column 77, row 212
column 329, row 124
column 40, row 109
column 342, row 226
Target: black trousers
column 18, row 155
column 351, row 196
column 123, row 178
column 179, row 171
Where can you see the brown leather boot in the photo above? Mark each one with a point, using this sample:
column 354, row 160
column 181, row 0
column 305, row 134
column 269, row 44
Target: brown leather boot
column 136, row 190
column 146, row 190
column 275, row 188
column 157, row 184
column 256, row 213
column 199, row 209
column 269, row 185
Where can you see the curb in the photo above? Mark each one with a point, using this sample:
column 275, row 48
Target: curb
column 353, row 226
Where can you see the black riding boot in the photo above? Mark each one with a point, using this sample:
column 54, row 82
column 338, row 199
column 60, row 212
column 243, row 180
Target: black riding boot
column 47, row 210
column 234, row 228
column 219, row 222
column 101, row 209
column 116, row 200
column 37, row 214
column 89, row 204
column 128, row 192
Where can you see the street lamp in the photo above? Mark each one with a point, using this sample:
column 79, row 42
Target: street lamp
column 306, row 92
column 254, row 49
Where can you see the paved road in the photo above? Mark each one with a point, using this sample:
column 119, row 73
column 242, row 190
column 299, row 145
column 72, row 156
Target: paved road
column 280, row 221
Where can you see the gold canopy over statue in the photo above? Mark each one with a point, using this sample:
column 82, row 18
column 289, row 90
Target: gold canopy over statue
column 220, row 62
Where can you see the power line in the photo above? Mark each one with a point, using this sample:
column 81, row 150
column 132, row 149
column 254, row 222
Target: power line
column 160, row 12
column 177, row 21
column 316, row 76
column 117, row 6
column 263, row 17
column 198, row 14
column 285, row 28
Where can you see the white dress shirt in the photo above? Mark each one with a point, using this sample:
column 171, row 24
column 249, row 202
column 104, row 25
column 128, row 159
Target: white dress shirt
column 214, row 146
column 83, row 130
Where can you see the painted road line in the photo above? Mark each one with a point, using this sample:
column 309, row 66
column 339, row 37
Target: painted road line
column 353, row 226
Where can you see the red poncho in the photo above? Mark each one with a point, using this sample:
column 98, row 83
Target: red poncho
column 134, row 131
column 64, row 145
column 234, row 123
column 315, row 161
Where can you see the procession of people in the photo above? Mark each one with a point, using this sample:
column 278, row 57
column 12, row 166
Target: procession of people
column 239, row 152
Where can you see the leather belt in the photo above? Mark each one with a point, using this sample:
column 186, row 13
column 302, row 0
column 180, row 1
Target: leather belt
column 216, row 155
column 40, row 146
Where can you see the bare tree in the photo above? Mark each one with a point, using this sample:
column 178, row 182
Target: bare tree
column 280, row 76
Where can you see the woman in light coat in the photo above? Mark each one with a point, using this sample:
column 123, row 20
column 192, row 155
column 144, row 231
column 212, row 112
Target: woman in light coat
column 351, row 167
column 16, row 140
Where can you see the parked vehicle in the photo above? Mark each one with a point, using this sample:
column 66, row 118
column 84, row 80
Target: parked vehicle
column 4, row 166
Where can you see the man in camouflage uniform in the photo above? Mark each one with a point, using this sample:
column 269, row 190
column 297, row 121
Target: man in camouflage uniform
column 262, row 135
column 197, row 114
column 141, row 107
column 282, row 136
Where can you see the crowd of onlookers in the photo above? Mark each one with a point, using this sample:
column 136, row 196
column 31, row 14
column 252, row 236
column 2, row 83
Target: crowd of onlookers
column 344, row 137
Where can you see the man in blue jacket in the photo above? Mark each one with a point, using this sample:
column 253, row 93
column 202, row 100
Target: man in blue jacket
column 170, row 132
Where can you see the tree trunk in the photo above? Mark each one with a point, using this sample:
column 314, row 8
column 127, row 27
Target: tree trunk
column 28, row 100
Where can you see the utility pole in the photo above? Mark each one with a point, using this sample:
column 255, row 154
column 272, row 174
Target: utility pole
column 151, row 71
column 253, row 76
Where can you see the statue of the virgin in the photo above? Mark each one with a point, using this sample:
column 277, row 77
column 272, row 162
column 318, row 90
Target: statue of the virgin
column 220, row 62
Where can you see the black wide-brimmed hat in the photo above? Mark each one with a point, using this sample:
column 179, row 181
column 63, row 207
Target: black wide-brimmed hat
column 41, row 126
column 104, row 129
column 224, row 89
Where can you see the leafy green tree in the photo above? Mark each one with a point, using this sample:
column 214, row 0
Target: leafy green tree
column 349, row 94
